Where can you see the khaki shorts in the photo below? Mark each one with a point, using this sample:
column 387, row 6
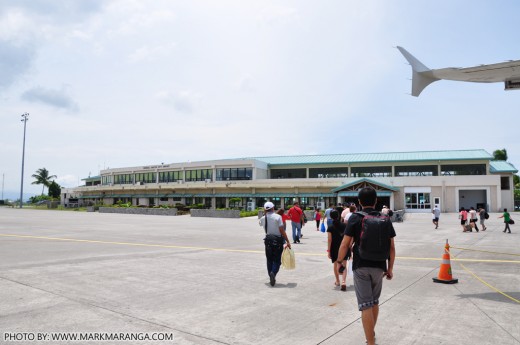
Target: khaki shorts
column 368, row 282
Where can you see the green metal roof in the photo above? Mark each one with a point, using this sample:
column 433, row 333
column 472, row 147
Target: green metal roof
column 92, row 178
column 496, row 167
column 90, row 197
column 390, row 157
column 265, row 195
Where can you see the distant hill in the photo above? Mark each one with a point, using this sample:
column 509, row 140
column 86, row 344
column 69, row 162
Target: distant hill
column 10, row 195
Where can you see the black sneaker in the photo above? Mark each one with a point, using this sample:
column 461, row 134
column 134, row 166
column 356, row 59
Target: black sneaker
column 272, row 279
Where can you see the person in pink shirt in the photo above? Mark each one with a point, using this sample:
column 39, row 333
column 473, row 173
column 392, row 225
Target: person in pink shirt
column 284, row 216
column 463, row 215
column 317, row 218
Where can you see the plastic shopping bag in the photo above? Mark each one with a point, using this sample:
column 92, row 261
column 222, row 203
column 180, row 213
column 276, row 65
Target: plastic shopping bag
column 288, row 261
column 322, row 227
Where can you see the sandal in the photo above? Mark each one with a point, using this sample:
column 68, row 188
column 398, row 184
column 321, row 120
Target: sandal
column 336, row 284
column 343, row 286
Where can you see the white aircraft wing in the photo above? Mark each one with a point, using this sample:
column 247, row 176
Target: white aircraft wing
column 507, row 72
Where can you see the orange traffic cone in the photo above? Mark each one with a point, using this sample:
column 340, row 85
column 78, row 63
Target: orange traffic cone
column 445, row 270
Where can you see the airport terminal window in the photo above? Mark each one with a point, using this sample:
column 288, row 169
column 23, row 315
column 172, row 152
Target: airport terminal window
column 504, row 183
column 123, row 179
column 417, row 201
column 288, row 173
column 199, row 175
column 229, row 174
column 170, row 176
column 148, row 177
column 463, row 169
column 328, row 172
column 417, row 170
column 106, row 180
column 371, row 171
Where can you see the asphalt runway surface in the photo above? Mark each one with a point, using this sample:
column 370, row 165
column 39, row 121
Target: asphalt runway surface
column 204, row 281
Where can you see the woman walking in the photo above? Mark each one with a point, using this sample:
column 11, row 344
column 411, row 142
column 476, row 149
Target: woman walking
column 317, row 218
column 335, row 236
column 473, row 218
column 463, row 215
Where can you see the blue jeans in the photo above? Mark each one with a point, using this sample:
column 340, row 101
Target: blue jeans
column 273, row 254
column 329, row 222
column 296, row 230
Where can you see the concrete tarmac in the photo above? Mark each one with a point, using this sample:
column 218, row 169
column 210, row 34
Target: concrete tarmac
column 205, row 281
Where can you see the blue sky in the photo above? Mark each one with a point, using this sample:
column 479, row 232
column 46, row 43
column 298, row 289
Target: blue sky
column 128, row 83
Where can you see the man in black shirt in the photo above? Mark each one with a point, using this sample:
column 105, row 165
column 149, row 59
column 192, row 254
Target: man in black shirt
column 368, row 274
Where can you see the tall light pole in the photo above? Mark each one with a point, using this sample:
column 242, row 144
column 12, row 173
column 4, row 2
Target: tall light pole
column 25, row 118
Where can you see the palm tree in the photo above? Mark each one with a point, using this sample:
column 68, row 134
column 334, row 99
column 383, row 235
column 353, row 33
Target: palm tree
column 42, row 177
column 500, row 155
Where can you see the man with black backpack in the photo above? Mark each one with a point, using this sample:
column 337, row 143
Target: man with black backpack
column 373, row 237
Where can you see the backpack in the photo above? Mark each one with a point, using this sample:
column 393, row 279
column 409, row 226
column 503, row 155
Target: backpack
column 374, row 240
column 486, row 215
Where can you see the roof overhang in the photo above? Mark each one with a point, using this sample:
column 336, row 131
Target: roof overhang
column 355, row 186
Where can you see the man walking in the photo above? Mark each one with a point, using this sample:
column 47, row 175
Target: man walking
column 274, row 239
column 436, row 213
column 296, row 215
column 482, row 214
column 366, row 229
column 327, row 215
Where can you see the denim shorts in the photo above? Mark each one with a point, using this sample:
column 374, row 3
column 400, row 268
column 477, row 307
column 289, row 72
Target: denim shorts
column 368, row 282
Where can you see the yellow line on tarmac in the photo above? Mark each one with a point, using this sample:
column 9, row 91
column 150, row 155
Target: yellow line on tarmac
column 457, row 259
column 488, row 285
column 484, row 251
column 230, row 250
column 131, row 244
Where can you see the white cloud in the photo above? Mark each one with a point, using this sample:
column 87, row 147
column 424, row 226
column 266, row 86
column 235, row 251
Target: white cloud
column 67, row 180
column 278, row 14
column 150, row 54
column 183, row 101
column 246, row 84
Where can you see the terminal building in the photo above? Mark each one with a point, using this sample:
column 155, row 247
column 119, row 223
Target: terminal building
column 413, row 181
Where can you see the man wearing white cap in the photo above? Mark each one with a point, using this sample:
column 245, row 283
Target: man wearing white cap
column 274, row 239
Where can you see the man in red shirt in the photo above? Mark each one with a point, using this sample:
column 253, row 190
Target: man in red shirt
column 296, row 215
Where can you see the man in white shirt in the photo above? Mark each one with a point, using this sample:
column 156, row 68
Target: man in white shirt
column 346, row 210
column 436, row 213
column 274, row 240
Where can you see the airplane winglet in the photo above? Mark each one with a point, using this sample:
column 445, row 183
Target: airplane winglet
column 421, row 76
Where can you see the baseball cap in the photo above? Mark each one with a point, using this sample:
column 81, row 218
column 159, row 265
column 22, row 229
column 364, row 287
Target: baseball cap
column 268, row 205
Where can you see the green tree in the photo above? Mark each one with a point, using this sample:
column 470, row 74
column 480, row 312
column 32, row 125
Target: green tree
column 500, row 155
column 516, row 181
column 42, row 177
column 234, row 202
column 54, row 190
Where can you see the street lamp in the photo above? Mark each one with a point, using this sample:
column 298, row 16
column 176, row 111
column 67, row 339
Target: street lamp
column 25, row 118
